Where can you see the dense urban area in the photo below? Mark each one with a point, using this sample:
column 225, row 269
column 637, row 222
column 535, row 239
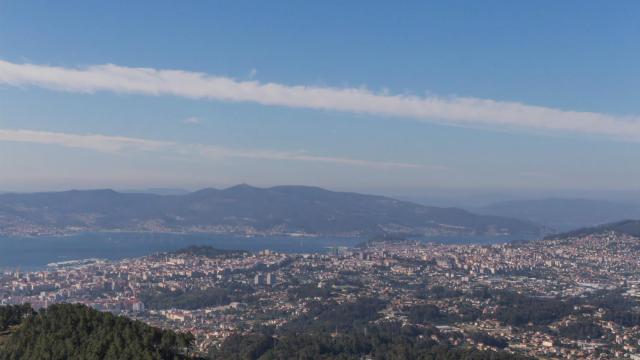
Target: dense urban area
column 574, row 297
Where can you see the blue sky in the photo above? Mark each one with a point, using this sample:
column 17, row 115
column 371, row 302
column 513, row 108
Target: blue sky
column 368, row 96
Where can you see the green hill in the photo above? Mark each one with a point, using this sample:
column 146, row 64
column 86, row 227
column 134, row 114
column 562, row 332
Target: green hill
column 627, row 227
column 70, row 332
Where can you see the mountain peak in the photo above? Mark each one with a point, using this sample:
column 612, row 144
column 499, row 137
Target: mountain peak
column 241, row 187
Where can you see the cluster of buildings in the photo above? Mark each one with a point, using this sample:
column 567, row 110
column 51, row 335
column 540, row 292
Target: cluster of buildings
column 268, row 288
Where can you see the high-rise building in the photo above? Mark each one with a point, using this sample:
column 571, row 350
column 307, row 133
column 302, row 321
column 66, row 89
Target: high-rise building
column 138, row 306
column 271, row 279
column 258, row 280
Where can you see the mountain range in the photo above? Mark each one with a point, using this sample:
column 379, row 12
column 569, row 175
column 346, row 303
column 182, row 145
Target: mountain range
column 243, row 209
column 564, row 214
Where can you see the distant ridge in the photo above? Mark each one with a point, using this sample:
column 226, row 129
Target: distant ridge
column 564, row 215
column 157, row 191
column 627, row 227
column 209, row 251
column 243, row 209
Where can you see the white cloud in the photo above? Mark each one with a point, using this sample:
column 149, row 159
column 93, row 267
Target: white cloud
column 193, row 120
column 118, row 144
column 102, row 143
column 455, row 110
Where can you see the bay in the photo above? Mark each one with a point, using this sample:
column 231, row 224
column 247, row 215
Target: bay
column 34, row 253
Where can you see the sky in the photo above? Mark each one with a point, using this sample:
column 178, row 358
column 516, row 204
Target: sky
column 388, row 97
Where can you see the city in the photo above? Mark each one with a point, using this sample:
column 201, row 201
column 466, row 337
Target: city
column 319, row 180
column 462, row 290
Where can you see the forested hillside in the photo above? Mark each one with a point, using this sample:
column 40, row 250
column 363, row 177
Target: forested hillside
column 76, row 332
column 346, row 332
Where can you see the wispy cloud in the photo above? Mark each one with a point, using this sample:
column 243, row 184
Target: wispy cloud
column 193, row 120
column 455, row 110
column 102, row 143
column 118, row 144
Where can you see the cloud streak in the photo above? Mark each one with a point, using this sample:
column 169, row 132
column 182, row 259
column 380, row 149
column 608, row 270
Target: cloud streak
column 193, row 120
column 463, row 111
column 119, row 144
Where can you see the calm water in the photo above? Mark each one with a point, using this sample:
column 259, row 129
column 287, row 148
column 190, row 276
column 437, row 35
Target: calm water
column 33, row 253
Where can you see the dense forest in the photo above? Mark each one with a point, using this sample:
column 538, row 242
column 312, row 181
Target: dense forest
column 13, row 314
column 619, row 309
column 582, row 329
column 387, row 341
column 488, row 340
column 517, row 310
column 520, row 309
column 331, row 316
column 425, row 313
column 67, row 331
column 349, row 331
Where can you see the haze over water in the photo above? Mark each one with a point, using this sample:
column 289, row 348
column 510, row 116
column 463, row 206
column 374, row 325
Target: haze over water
column 34, row 253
